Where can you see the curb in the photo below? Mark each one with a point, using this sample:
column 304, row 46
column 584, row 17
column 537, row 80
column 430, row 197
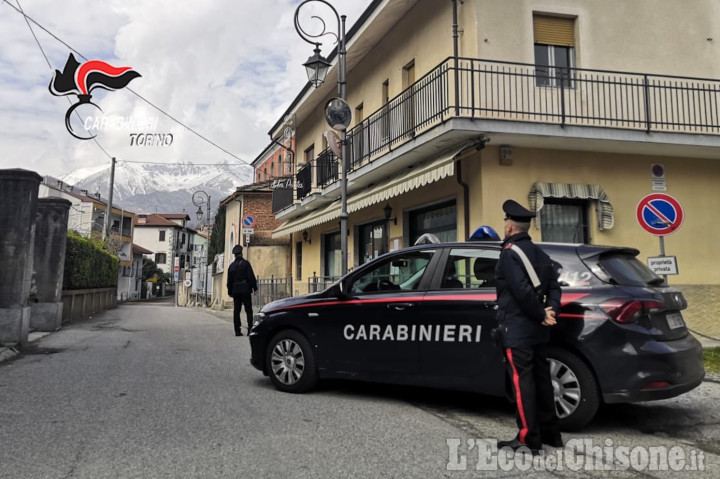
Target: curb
column 7, row 353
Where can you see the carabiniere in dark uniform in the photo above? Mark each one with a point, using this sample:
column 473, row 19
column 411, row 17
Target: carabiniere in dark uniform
column 525, row 330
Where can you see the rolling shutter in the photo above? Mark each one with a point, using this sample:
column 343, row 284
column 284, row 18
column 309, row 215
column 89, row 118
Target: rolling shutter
column 554, row 30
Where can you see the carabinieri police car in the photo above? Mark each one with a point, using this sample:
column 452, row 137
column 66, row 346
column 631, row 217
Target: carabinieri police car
column 423, row 316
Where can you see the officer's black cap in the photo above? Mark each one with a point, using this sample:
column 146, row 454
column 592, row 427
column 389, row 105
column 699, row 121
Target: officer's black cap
column 237, row 249
column 516, row 212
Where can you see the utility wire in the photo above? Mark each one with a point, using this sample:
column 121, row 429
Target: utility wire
column 30, row 19
column 189, row 164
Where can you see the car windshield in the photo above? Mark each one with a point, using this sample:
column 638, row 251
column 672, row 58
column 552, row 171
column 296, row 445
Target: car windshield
column 626, row 270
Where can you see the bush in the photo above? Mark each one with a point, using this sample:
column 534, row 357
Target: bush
column 88, row 265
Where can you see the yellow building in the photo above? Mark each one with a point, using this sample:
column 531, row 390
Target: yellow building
column 576, row 109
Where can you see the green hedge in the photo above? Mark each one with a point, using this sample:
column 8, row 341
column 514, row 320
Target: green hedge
column 88, row 265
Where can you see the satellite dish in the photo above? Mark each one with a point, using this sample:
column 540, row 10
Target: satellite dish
column 337, row 114
column 334, row 143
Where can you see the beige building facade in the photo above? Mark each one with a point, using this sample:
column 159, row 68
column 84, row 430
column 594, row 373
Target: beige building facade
column 576, row 109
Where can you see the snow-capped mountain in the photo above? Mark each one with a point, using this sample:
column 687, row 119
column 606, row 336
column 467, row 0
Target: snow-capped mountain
column 162, row 188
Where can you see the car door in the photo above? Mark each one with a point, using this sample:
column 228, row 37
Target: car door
column 367, row 331
column 460, row 310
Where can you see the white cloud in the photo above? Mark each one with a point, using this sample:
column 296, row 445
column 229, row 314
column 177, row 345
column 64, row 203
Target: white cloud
column 226, row 68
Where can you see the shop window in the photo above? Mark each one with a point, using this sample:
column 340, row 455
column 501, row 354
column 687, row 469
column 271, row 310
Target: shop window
column 332, row 254
column 372, row 241
column 440, row 220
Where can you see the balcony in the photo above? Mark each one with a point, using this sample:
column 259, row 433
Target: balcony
column 530, row 100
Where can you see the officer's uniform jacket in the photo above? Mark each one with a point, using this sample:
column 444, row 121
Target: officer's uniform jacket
column 241, row 270
column 521, row 309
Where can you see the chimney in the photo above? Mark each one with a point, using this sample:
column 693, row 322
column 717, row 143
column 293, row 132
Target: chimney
column 142, row 219
column 97, row 195
column 60, row 184
column 70, row 188
column 84, row 192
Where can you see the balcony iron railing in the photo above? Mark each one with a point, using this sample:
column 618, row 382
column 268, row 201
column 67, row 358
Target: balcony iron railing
column 520, row 92
column 327, row 168
column 304, row 181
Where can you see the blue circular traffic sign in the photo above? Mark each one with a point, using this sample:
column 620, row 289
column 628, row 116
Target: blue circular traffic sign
column 248, row 221
column 659, row 214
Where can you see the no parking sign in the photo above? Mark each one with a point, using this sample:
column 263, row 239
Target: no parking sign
column 659, row 214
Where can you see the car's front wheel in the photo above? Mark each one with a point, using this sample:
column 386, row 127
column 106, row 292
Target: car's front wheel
column 577, row 398
column 291, row 362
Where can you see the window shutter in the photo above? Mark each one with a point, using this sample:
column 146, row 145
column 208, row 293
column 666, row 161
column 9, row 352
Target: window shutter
column 554, row 30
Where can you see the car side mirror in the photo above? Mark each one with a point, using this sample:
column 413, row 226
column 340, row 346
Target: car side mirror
column 342, row 289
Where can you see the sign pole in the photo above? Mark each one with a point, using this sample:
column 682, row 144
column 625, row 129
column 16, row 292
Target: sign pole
column 660, row 214
column 662, row 253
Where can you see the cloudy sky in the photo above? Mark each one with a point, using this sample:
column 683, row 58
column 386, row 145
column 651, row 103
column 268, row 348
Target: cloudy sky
column 228, row 69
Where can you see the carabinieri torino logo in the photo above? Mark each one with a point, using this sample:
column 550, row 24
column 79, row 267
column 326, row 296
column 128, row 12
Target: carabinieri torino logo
column 80, row 79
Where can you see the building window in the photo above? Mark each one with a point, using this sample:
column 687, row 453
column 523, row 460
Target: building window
column 160, row 258
column 564, row 221
column 161, row 236
column 408, row 81
column 298, row 261
column 310, row 154
column 554, row 39
column 385, row 114
column 359, row 140
column 440, row 220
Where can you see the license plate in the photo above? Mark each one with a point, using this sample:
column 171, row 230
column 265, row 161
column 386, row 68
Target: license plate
column 675, row 320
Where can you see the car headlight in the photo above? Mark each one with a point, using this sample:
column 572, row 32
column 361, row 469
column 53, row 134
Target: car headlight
column 259, row 318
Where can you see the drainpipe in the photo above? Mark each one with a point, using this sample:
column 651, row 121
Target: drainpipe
column 477, row 146
column 289, row 150
column 455, row 57
column 466, row 193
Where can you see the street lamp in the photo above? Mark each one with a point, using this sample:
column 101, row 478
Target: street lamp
column 198, row 200
column 317, row 68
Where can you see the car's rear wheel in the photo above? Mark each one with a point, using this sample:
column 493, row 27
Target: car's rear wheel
column 291, row 362
column 577, row 398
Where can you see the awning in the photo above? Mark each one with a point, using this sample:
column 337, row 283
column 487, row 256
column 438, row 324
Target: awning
column 540, row 191
column 315, row 218
column 418, row 177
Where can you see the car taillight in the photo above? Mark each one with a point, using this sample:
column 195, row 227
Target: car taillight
column 624, row 311
column 657, row 385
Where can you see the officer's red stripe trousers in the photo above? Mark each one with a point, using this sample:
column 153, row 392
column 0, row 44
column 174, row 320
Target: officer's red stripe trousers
column 518, row 397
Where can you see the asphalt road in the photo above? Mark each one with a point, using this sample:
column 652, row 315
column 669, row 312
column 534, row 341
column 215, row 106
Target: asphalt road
column 159, row 391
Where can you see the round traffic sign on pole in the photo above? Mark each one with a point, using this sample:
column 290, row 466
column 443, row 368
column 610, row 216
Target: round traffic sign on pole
column 248, row 221
column 659, row 214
